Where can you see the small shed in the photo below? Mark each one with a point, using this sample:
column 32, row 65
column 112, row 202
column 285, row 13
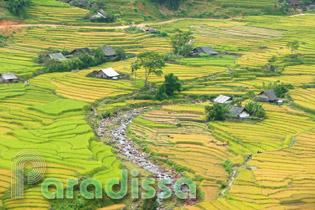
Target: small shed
column 221, row 99
column 267, row 96
column 99, row 15
column 294, row 3
column 79, row 3
column 151, row 30
column 8, row 78
column 57, row 56
column 109, row 73
column 204, row 50
column 238, row 112
column 109, row 51
column 80, row 51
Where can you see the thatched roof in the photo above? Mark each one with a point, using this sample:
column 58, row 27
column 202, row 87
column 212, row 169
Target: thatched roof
column 205, row 50
column 81, row 51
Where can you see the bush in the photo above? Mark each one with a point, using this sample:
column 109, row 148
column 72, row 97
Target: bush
column 217, row 112
column 255, row 109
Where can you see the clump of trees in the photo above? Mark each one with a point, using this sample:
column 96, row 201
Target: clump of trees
column 293, row 46
column 280, row 88
column 18, row 7
column 217, row 112
column 171, row 4
column 182, row 42
column 170, row 86
column 151, row 61
column 255, row 109
column 83, row 61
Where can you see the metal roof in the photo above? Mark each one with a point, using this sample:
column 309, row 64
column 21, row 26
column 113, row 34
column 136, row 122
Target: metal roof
column 206, row 50
column 110, row 72
column 109, row 51
column 9, row 76
column 57, row 56
column 271, row 95
column 222, row 99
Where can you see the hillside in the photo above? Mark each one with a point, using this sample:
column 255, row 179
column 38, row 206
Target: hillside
column 85, row 124
column 127, row 11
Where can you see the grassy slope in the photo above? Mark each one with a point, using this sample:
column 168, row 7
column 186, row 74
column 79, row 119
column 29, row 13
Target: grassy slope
column 128, row 11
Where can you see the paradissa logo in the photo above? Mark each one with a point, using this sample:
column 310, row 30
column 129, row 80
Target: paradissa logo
column 36, row 174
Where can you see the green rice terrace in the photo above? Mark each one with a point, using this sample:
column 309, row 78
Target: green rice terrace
column 215, row 91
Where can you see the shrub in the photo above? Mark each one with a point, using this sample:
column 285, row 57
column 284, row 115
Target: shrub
column 255, row 109
column 217, row 112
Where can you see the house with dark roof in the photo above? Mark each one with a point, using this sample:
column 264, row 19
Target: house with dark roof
column 79, row 3
column 57, row 56
column 267, row 96
column 221, row 99
column 237, row 112
column 294, row 3
column 109, row 51
column 8, row 78
column 108, row 73
column 204, row 50
column 80, row 51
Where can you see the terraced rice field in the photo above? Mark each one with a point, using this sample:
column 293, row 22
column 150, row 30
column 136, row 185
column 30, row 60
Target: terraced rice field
column 34, row 118
column 304, row 98
column 272, row 182
column 54, row 12
column 79, row 87
column 190, row 145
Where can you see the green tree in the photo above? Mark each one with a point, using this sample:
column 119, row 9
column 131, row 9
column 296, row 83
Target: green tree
column 293, row 46
column 168, row 88
column 18, row 7
column 217, row 112
column 151, row 61
column 182, row 42
column 255, row 109
column 172, row 84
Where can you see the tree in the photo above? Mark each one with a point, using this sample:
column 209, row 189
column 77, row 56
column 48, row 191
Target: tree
column 279, row 88
column 171, row 4
column 151, row 61
column 255, row 109
column 18, row 7
column 172, row 84
column 217, row 112
column 293, row 46
column 168, row 88
column 182, row 42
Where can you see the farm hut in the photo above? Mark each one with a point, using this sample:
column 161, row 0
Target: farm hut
column 151, row 31
column 99, row 15
column 267, row 96
column 57, row 56
column 223, row 99
column 294, row 3
column 109, row 73
column 238, row 112
column 8, row 78
column 79, row 3
column 80, row 51
column 204, row 50
column 109, row 51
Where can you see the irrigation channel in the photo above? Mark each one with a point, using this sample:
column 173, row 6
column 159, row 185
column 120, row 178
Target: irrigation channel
column 115, row 128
